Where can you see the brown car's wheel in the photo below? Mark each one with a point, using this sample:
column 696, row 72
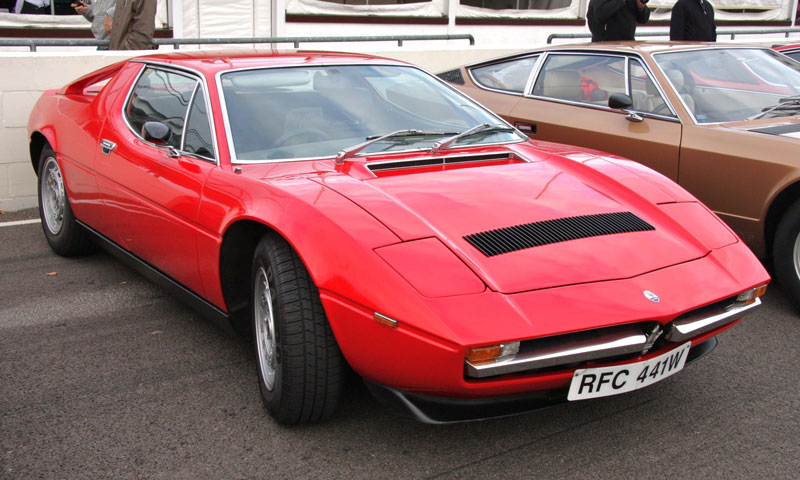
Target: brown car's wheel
column 786, row 253
column 63, row 233
column 301, row 371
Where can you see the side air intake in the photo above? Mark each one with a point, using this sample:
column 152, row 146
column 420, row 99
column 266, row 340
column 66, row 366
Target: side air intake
column 519, row 237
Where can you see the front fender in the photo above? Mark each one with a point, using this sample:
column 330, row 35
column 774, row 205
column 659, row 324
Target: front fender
column 335, row 238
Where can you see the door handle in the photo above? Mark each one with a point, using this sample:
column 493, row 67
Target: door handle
column 107, row 146
column 526, row 128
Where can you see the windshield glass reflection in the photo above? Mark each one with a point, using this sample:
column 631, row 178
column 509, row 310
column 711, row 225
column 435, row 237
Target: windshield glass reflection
column 315, row 111
column 724, row 85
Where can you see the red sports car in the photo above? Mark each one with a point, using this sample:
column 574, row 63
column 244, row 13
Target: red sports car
column 356, row 212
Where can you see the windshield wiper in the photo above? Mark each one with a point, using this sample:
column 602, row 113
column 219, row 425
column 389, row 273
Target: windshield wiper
column 482, row 128
column 348, row 152
column 785, row 103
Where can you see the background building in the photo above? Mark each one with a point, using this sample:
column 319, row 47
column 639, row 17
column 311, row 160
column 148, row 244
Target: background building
column 491, row 22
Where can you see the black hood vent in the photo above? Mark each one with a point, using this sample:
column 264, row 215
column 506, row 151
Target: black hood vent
column 520, row 237
column 779, row 129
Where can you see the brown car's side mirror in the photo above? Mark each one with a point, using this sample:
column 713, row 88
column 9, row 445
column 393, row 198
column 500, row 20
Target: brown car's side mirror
column 620, row 101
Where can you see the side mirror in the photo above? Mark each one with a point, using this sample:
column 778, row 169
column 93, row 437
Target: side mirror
column 620, row 101
column 158, row 134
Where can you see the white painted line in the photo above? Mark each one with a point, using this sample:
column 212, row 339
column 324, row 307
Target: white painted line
column 20, row 222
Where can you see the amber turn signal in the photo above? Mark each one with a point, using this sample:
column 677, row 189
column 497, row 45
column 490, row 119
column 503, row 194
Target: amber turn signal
column 481, row 355
column 491, row 353
column 748, row 297
column 384, row 320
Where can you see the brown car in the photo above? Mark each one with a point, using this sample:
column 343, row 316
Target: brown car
column 721, row 120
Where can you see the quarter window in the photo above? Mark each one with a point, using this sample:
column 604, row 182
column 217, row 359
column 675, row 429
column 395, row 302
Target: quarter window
column 160, row 96
column 197, row 138
column 645, row 95
column 511, row 76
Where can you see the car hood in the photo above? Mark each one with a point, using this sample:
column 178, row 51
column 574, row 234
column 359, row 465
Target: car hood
column 537, row 221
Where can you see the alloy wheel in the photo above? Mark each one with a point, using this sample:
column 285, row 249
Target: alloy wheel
column 53, row 197
column 265, row 328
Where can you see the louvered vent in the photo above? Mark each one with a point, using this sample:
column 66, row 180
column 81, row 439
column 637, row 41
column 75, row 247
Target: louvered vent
column 519, row 237
column 452, row 76
column 435, row 161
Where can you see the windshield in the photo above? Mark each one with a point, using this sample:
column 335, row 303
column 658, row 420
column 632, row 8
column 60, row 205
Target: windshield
column 724, row 85
column 316, row 111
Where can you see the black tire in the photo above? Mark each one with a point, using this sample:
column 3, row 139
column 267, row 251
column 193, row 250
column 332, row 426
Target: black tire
column 303, row 378
column 65, row 236
column 786, row 253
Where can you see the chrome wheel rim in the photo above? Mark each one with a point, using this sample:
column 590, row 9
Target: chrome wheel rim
column 796, row 255
column 265, row 328
column 54, row 199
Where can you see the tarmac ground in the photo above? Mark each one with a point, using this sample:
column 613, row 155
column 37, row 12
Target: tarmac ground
column 103, row 375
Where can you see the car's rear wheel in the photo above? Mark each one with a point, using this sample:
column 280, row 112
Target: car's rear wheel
column 301, row 372
column 786, row 253
column 64, row 235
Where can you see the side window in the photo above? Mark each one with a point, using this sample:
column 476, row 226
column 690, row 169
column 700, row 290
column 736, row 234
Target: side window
column 511, row 75
column 644, row 93
column 160, row 96
column 795, row 55
column 581, row 78
column 197, row 139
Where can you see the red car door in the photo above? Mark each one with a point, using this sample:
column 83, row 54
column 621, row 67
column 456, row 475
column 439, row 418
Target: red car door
column 152, row 192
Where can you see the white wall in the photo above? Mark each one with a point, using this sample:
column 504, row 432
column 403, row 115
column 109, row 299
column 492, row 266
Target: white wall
column 26, row 75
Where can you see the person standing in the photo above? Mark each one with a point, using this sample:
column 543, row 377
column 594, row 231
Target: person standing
column 36, row 7
column 692, row 20
column 611, row 20
column 133, row 25
column 96, row 12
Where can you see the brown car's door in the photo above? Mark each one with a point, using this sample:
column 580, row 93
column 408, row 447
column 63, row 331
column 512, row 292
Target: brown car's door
column 568, row 103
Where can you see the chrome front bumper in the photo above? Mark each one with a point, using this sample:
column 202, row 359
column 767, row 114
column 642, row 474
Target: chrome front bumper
column 627, row 340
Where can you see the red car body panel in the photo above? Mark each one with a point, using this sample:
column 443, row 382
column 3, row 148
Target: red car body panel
column 394, row 243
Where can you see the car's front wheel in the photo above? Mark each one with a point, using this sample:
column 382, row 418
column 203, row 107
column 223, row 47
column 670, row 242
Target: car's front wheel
column 64, row 235
column 786, row 253
column 301, row 371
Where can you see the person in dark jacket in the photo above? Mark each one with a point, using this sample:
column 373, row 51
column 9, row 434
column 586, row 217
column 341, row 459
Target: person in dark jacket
column 611, row 20
column 133, row 25
column 693, row 20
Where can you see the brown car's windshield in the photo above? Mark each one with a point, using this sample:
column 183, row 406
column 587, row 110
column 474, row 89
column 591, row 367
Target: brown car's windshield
column 732, row 84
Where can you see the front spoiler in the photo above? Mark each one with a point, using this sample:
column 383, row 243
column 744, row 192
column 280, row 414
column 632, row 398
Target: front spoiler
column 440, row 410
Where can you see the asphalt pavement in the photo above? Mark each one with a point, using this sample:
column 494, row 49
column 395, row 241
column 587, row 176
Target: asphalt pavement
column 103, row 375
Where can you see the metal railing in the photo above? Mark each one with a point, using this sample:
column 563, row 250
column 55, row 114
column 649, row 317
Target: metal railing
column 34, row 43
column 665, row 33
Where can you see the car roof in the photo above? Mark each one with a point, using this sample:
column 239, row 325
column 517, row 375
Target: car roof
column 628, row 47
column 213, row 61
column 649, row 46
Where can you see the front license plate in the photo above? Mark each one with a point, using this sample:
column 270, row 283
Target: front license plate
column 605, row 381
